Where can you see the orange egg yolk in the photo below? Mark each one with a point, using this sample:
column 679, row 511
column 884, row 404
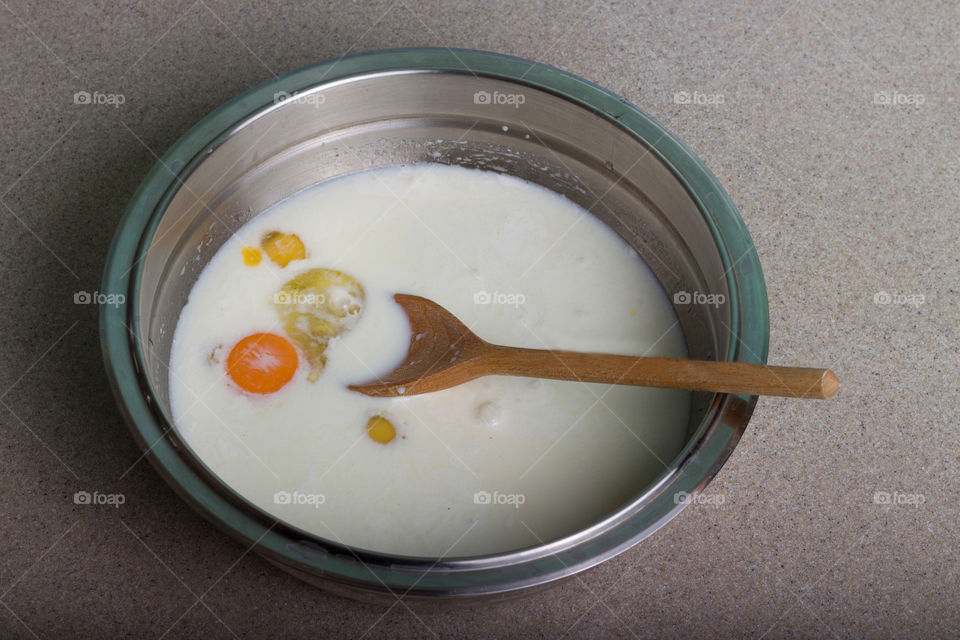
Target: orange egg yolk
column 262, row 363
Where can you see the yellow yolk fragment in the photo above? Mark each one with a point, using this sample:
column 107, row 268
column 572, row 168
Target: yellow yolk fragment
column 283, row 247
column 251, row 256
column 381, row 430
column 316, row 307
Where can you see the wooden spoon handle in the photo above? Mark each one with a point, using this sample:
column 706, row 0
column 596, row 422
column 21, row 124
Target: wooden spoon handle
column 672, row 373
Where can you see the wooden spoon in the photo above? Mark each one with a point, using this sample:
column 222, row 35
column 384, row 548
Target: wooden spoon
column 444, row 353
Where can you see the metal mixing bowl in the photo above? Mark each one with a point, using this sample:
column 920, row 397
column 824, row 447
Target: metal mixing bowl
column 472, row 109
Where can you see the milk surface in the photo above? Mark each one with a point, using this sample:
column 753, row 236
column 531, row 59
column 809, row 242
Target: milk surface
column 492, row 465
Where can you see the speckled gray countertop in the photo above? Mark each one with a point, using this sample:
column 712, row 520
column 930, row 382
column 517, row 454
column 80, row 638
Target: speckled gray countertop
column 834, row 127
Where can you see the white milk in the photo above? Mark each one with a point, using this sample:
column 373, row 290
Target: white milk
column 517, row 264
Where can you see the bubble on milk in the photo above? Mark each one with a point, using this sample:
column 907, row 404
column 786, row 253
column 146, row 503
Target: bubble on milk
column 341, row 298
column 489, row 413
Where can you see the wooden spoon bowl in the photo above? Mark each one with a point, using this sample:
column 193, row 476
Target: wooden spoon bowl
column 444, row 353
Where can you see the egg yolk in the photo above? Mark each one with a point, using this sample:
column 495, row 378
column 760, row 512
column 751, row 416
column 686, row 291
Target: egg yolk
column 283, row 247
column 251, row 256
column 381, row 430
column 315, row 307
column 262, row 363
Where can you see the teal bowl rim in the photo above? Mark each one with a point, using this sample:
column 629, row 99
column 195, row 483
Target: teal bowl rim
column 308, row 555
